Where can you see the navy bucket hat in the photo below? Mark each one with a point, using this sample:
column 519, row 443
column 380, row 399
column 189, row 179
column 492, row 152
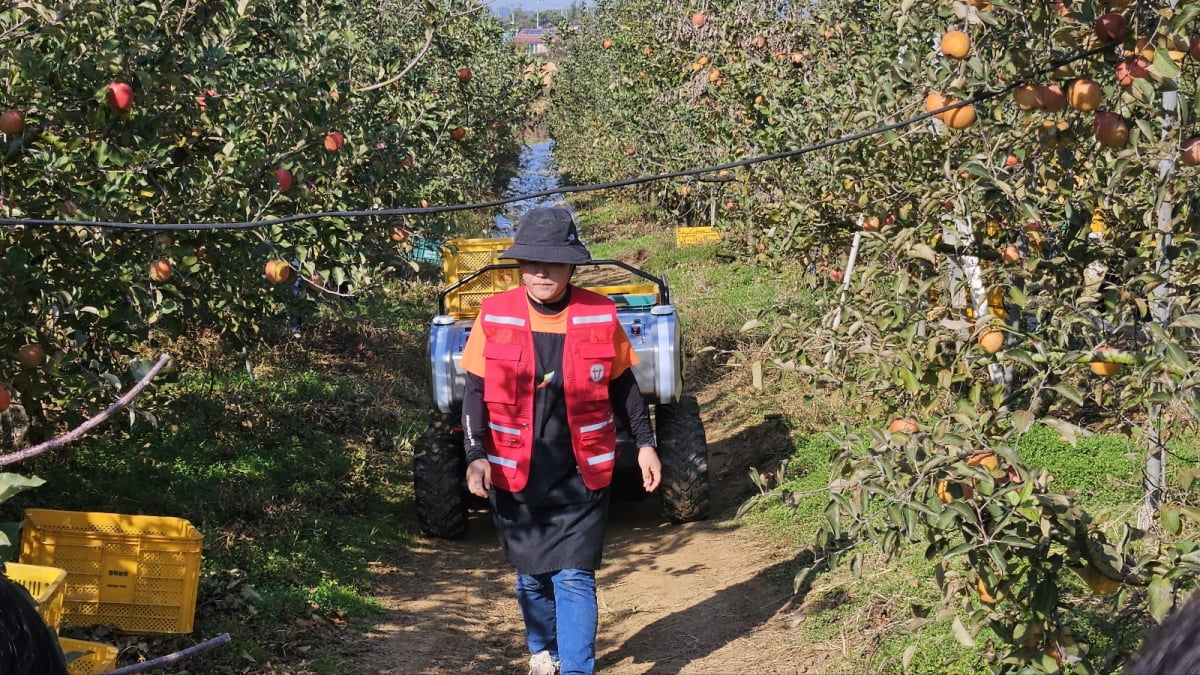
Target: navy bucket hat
column 548, row 235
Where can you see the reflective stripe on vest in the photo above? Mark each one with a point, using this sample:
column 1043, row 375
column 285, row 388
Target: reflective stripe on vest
column 600, row 459
column 506, row 320
column 502, row 461
column 508, row 430
column 595, row 427
column 595, row 318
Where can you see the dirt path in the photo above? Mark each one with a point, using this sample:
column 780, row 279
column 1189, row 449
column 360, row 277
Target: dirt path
column 704, row 597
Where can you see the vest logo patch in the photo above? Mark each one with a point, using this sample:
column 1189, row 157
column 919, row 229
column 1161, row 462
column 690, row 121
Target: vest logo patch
column 597, row 372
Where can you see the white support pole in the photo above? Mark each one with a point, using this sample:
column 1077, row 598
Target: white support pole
column 1155, row 476
column 958, row 232
column 847, row 276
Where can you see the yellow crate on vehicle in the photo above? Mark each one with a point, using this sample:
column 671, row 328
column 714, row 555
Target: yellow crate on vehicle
column 139, row 574
column 45, row 584
column 461, row 257
column 687, row 236
column 89, row 657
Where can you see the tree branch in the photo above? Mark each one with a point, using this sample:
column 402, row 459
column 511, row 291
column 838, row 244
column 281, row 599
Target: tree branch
column 87, row 426
column 424, row 49
column 173, row 657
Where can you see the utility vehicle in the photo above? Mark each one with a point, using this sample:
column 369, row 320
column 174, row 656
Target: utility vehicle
column 472, row 270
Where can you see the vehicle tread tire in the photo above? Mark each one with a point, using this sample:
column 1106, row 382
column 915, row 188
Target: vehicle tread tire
column 439, row 471
column 683, row 451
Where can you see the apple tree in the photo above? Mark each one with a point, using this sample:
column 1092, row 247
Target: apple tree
column 1022, row 259
column 174, row 120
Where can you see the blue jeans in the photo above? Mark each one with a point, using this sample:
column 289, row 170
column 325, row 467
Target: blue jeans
column 559, row 609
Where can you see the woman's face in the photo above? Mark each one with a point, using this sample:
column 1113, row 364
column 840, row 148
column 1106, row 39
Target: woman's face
column 545, row 282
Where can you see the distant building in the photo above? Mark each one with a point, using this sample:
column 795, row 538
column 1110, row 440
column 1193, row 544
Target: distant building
column 533, row 40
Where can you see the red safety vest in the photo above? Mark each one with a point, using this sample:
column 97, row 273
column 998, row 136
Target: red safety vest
column 508, row 386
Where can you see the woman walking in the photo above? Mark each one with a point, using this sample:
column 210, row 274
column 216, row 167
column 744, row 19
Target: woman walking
column 549, row 371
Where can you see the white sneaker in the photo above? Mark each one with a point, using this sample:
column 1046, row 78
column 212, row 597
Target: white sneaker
column 542, row 663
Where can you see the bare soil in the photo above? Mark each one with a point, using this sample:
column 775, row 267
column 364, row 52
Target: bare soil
column 707, row 597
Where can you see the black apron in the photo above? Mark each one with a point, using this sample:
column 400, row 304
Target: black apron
column 556, row 522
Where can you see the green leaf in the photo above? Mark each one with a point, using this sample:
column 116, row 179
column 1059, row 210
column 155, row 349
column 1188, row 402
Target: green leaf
column 1170, row 520
column 1161, row 596
column 13, row 483
column 802, row 577
column 1069, row 392
column 1022, row 420
column 10, row 536
column 1163, row 64
column 1069, row 431
column 1187, row 321
column 1177, row 356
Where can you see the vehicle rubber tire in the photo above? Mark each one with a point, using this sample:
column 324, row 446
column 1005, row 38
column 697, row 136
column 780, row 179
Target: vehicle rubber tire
column 683, row 451
column 439, row 473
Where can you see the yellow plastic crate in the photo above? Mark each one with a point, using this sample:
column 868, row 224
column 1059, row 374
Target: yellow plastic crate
column 92, row 657
column 139, row 574
column 46, row 586
column 461, row 257
column 687, row 236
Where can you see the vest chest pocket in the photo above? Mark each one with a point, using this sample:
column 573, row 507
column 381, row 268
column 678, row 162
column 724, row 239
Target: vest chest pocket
column 502, row 363
column 595, row 360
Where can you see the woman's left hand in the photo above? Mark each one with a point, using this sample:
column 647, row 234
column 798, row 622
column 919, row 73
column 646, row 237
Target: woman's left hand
column 651, row 467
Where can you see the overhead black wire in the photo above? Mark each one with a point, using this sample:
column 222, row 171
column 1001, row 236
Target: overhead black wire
column 377, row 213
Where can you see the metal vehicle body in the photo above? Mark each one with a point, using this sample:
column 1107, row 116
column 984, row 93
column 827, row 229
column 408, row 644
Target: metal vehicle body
column 472, row 271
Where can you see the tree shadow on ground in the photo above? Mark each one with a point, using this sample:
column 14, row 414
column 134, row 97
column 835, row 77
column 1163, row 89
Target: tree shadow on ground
column 450, row 606
column 719, row 600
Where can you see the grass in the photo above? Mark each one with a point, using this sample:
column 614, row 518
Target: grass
column 296, row 477
column 892, row 607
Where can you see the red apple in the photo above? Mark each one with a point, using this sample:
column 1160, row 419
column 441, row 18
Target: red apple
column 5, row 398
column 12, row 122
column 334, row 141
column 458, row 133
column 160, row 270
column 464, row 75
column 284, row 177
column 631, row 150
column 120, row 96
column 698, row 19
column 836, row 274
column 30, row 356
column 1112, row 27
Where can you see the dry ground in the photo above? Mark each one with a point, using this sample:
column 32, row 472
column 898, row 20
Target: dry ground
column 708, row 597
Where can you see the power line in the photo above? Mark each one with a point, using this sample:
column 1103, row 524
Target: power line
column 420, row 211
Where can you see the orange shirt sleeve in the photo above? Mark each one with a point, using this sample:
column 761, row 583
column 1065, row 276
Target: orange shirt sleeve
column 472, row 356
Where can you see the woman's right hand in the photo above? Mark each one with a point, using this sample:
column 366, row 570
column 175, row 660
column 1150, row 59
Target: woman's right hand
column 479, row 477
